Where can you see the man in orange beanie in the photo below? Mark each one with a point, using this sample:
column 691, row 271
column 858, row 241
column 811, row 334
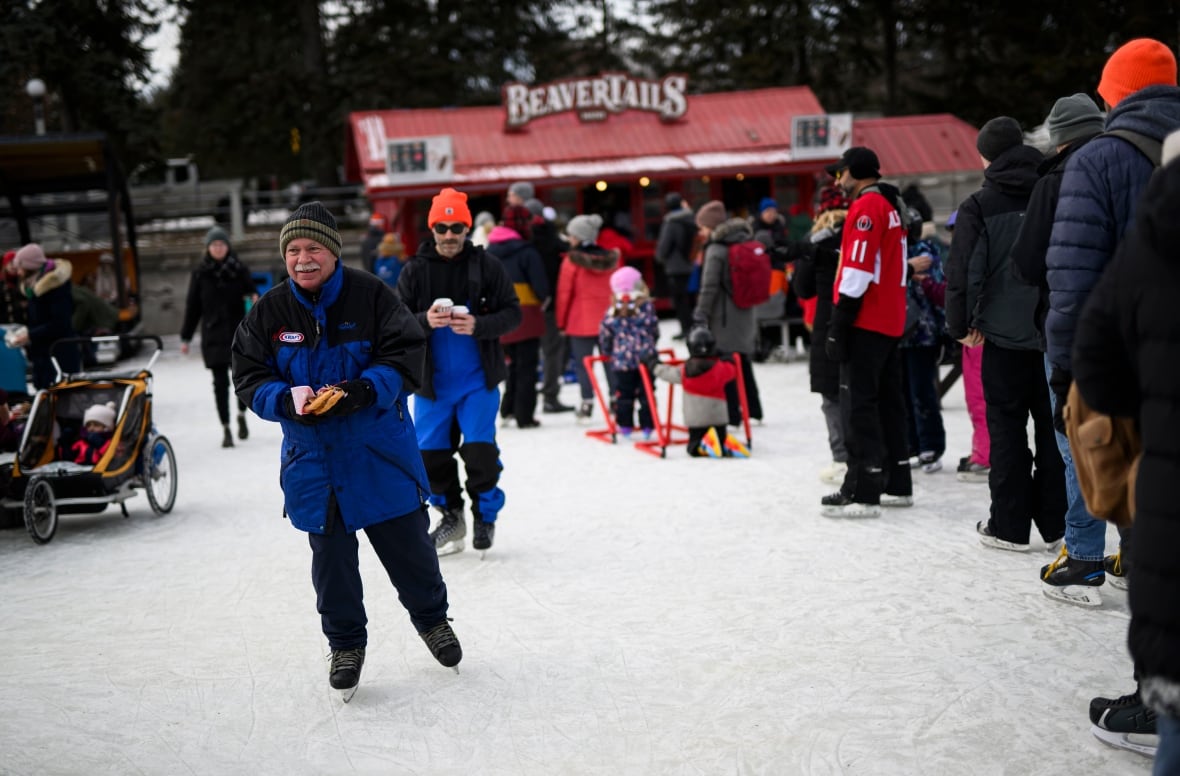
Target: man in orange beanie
column 1099, row 190
column 465, row 302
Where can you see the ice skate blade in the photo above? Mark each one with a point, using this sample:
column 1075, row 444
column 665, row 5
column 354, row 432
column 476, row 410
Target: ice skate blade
column 483, row 554
column 1118, row 583
column 971, row 477
column 1145, row 744
column 896, row 501
column 346, row 694
column 855, row 511
column 1000, row 544
column 455, row 669
column 451, row 547
column 1078, row 595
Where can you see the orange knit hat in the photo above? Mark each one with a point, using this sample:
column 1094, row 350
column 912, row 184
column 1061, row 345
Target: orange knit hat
column 1136, row 64
column 449, row 205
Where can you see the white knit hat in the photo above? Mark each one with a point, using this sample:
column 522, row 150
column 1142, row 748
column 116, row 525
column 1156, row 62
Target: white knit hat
column 103, row 413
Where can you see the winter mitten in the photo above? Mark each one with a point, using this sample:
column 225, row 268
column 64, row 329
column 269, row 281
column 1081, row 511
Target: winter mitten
column 355, row 395
column 295, row 412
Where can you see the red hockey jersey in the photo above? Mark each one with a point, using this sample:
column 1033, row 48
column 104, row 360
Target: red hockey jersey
column 873, row 264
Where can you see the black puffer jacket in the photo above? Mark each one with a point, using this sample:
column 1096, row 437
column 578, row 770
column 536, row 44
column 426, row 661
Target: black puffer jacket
column 217, row 301
column 1028, row 253
column 815, row 273
column 428, row 276
column 1126, row 361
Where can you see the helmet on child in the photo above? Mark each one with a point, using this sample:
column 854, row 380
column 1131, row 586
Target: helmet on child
column 701, row 342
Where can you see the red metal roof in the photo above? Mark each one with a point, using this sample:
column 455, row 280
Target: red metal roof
column 756, row 121
column 728, row 131
column 917, row 145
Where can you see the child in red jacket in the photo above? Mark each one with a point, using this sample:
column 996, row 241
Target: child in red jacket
column 97, row 426
column 704, row 377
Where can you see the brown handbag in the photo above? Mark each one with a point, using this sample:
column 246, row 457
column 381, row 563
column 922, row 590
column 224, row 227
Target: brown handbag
column 1106, row 452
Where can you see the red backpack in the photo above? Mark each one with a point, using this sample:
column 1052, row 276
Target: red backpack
column 749, row 274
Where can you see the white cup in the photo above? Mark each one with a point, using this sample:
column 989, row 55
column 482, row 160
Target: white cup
column 443, row 304
column 459, row 309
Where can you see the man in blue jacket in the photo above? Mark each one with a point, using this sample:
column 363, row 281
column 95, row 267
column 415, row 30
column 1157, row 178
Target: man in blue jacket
column 350, row 459
column 1099, row 189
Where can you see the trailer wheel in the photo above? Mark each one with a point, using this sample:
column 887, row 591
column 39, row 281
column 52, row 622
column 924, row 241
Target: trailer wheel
column 40, row 510
column 159, row 479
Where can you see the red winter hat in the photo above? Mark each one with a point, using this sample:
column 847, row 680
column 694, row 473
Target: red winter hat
column 832, row 198
column 1135, row 65
column 449, row 205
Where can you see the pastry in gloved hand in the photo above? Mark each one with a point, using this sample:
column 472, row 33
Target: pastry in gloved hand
column 325, row 399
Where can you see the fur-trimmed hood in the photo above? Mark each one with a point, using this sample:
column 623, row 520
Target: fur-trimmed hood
column 51, row 277
column 829, row 219
column 594, row 257
column 733, row 230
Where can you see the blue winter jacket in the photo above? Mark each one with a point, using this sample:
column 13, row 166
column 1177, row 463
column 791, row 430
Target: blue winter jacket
column 1101, row 185
column 356, row 327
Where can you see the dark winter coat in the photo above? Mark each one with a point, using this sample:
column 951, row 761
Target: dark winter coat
column 674, row 245
column 50, row 315
column 981, row 292
column 815, row 272
column 216, row 300
column 1126, row 362
column 1101, row 184
column 522, row 262
column 925, row 300
column 551, row 247
column 1032, row 243
column 355, row 327
column 428, row 276
column 774, row 236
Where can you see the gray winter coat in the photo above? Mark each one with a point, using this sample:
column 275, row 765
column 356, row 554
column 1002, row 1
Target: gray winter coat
column 735, row 329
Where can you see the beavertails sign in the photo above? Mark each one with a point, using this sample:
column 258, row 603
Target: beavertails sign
column 595, row 98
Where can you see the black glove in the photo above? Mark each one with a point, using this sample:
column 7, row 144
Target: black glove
column 305, row 420
column 1059, row 382
column 840, row 326
column 358, row 394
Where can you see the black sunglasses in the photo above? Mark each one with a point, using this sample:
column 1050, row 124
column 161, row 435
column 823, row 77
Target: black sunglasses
column 452, row 228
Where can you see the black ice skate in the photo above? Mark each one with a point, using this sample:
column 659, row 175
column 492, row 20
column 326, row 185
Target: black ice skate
column 483, row 535
column 443, row 645
column 1126, row 723
column 1116, row 570
column 448, row 536
column 243, row 432
column 839, row 505
column 1073, row 581
column 344, row 674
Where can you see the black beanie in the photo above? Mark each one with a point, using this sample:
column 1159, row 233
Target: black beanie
column 997, row 136
column 313, row 221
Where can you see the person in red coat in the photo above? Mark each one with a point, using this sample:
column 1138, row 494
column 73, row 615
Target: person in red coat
column 583, row 296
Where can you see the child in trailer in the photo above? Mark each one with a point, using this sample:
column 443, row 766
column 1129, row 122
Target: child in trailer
column 704, row 377
column 627, row 336
column 97, row 426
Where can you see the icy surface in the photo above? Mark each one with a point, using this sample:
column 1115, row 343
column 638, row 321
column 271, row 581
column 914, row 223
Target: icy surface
column 636, row 616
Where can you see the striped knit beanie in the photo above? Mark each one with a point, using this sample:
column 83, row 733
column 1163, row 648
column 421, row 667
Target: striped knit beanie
column 313, row 221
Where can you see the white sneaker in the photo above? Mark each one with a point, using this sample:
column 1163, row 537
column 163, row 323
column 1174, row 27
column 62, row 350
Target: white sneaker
column 833, row 473
column 888, row 500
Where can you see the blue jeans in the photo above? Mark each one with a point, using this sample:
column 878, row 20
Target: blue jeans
column 926, row 428
column 1085, row 535
column 1167, row 757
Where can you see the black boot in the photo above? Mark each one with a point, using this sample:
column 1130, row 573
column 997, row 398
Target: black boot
column 228, row 439
column 243, row 432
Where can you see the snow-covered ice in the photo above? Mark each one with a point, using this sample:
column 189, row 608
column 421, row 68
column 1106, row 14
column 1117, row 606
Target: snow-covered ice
column 636, row 616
